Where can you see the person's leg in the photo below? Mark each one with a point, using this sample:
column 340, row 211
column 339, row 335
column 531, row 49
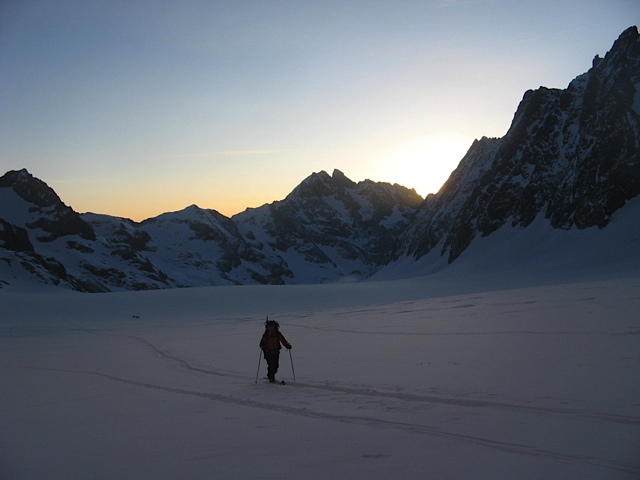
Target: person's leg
column 272, row 364
column 276, row 364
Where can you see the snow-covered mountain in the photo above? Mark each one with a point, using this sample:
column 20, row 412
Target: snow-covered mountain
column 570, row 162
column 328, row 229
column 572, row 156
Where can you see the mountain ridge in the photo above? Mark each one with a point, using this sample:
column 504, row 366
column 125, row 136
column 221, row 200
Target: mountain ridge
column 327, row 229
column 573, row 153
column 570, row 160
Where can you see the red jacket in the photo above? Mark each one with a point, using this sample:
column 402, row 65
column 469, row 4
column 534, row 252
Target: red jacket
column 272, row 341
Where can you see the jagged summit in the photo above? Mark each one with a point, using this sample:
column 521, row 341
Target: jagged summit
column 625, row 48
column 45, row 211
column 342, row 179
column 326, row 218
column 29, row 188
column 570, row 155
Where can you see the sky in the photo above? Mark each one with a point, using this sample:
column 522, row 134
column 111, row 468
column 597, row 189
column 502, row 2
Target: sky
column 135, row 108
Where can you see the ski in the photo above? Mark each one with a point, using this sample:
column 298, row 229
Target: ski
column 279, row 382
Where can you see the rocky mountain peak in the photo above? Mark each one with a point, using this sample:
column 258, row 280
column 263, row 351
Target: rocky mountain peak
column 31, row 189
column 341, row 179
column 49, row 213
column 570, row 155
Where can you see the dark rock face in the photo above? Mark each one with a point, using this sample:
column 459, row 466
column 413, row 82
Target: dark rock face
column 343, row 227
column 55, row 219
column 14, row 238
column 572, row 155
column 31, row 189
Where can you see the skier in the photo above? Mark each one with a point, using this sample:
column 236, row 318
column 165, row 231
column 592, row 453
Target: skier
column 270, row 345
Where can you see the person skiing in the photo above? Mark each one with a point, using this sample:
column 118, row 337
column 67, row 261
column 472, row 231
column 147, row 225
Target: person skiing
column 270, row 344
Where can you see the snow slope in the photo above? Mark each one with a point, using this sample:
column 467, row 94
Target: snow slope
column 435, row 377
column 520, row 255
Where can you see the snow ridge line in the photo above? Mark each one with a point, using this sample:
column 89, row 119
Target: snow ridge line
column 509, row 447
column 607, row 417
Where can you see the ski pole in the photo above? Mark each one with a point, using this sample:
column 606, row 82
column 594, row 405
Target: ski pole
column 259, row 360
column 292, row 370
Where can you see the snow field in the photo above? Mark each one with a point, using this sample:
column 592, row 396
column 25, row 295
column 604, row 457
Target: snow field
column 393, row 380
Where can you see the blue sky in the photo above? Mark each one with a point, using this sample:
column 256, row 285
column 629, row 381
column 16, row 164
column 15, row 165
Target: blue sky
column 140, row 107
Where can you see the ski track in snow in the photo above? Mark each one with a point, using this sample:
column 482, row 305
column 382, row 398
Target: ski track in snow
column 504, row 446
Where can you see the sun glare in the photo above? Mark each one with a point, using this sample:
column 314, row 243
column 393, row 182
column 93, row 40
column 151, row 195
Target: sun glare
column 425, row 163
